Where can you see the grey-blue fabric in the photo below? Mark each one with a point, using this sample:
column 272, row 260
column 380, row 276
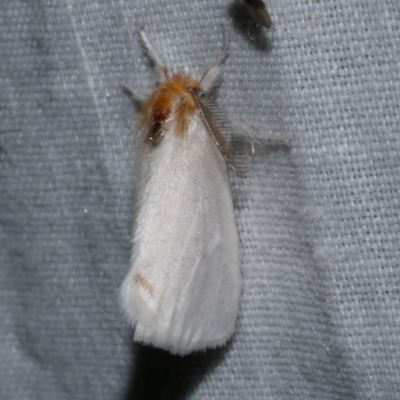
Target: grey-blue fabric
column 318, row 223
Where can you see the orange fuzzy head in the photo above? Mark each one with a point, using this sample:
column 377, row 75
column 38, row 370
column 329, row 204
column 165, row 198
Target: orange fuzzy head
column 171, row 102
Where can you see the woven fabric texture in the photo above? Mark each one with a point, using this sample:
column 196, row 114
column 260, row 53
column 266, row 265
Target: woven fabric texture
column 318, row 223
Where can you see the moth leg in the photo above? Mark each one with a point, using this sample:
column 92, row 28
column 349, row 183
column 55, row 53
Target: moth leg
column 160, row 67
column 250, row 132
column 211, row 76
column 137, row 96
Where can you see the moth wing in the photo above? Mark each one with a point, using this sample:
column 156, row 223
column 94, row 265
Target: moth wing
column 183, row 289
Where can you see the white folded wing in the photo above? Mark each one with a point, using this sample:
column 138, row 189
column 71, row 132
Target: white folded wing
column 183, row 289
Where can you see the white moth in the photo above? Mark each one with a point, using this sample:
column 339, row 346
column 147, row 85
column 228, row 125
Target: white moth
column 183, row 289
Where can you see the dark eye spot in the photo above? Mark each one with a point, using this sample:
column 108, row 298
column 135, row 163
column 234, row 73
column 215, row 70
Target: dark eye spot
column 155, row 135
column 156, row 127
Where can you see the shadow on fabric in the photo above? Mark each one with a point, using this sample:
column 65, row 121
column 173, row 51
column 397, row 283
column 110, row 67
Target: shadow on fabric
column 157, row 374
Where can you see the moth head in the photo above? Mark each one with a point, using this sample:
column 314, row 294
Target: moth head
column 170, row 107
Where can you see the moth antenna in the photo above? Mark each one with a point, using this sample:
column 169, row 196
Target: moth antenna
column 221, row 132
column 212, row 75
column 160, row 67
